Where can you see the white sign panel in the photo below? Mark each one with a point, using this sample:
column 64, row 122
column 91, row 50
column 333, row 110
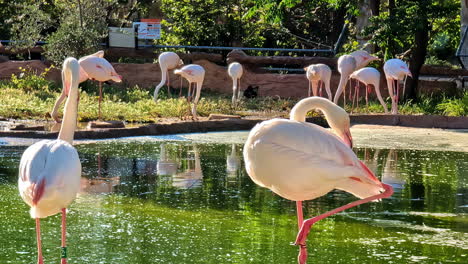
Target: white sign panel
column 148, row 29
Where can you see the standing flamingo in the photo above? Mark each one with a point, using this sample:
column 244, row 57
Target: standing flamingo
column 395, row 70
column 167, row 61
column 49, row 171
column 194, row 74
column 346, row 66
column 369, row 76
column 235, row 71
column 93, row 67
column 302, row 161
column 318, row 75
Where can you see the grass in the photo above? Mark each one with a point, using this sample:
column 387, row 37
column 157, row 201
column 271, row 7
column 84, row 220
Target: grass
column 30, row 96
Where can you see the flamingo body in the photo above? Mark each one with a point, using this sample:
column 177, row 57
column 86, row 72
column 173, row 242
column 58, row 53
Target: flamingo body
column 362, row 58
column 316, row 73
column 49, row 177
column 99, row 69
column 194, row 73
column 310, row 161
column 370, row 76
column 235, row 70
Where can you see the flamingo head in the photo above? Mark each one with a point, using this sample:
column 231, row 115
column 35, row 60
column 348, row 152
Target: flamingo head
column 115, row 77
column 372, row 58
column 339, row 121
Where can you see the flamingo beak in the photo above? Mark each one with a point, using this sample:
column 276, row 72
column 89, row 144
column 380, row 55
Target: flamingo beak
column 348, row 139
column 409, row 74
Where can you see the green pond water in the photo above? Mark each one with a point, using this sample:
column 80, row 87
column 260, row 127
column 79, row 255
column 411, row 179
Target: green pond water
column 178, row 200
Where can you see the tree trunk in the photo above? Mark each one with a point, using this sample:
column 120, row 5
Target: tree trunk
column 389, row 52
column 464, row 15
column 362, row 21
column 419, row 51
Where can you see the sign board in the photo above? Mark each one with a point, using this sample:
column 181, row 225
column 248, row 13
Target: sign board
column 148, row 28
column 121, row 37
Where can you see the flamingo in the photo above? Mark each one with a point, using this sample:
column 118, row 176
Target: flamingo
column 192, row 177
column 49, row 171
column 395, row 70
column 302, row 161
column 232, row 162
column 93, row 67
column 167, row 61
column 369, row 76
column 319, row 74
column 165, row 165
column 194, row 73
column 235, row 71
column 346, row 66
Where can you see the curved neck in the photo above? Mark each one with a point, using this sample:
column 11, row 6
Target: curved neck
column 300, row 110
column 68, row 127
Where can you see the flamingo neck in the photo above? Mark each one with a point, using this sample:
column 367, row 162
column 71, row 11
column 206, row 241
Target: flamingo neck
column 67, row 130
column 300, row 110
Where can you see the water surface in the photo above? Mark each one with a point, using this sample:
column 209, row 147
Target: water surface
column 176, row 200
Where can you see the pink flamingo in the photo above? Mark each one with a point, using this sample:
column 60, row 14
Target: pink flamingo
column 302, row 161
column 194, row 74
column 369, row 76
column 49, row 171
column 395, row 70
column 93, row 67
column 167, row 61
column 318, row 75
column 346, row 66
column 235, row 71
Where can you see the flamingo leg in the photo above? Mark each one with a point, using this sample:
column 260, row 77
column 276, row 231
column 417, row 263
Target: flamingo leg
column 40, row 260
column 100, row 100
column 180, row 88
column 64, row 234
column 168, row 84
column 367, row 98
column 320, row 84
column 302, row 257
column 310, row 89
column 344, row 96
column 307, row 224
column 357, row 93
column 238, row 89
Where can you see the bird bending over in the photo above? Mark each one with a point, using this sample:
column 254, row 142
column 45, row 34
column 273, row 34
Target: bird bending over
column 318, row 75
column 50, row 170
column 395, row 70
column 302, row 161
column 93, row 67
column 235, row 70
column 369, row 76
column 167, row 61
column 194, row 74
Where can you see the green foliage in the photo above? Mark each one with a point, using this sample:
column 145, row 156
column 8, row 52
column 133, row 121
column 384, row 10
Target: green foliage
column 81, row 29
column 29, row 81
column 454, row 106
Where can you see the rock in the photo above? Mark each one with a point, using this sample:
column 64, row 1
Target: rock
column 219, row 116
column 29, row 128
column 105, row 124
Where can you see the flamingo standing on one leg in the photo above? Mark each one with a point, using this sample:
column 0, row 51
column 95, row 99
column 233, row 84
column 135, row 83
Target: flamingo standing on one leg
column 49, row 171
column 194, row 74
column 395, row 70
column 87, row 71
column 346, row 66
column 235, row 71
column 302, row 161
column 318, row 75
column 167, row 61
column 370, row 76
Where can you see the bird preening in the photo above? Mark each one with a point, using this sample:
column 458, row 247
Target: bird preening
column 313, row 161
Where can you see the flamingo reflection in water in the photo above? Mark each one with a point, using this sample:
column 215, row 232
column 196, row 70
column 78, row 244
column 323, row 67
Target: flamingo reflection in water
column 192, row 176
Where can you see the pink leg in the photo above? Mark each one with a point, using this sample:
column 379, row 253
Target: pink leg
column 310, row 89
column 357, row 94
column 64, row 234
column 168, row 84
column 100, row 100
column 302, row 257
column 40, row 260
column 302, row 235
column 367, row 98
column 320, row 88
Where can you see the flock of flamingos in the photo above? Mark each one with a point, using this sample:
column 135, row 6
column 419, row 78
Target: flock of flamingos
column 295, row 159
